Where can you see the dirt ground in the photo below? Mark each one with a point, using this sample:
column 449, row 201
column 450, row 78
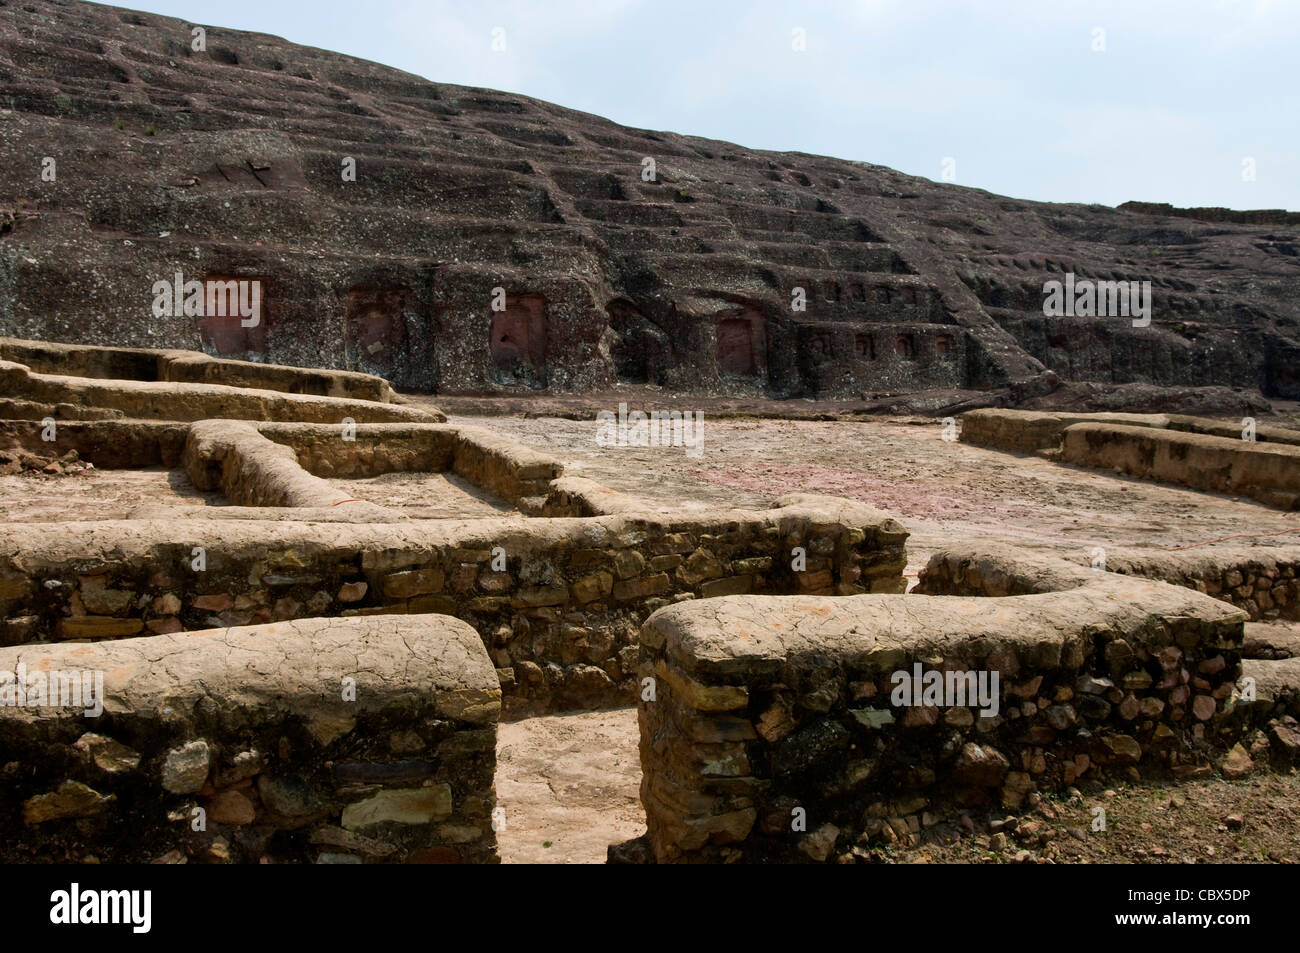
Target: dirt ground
column 95, row 494
column 569, row 786
column 1209, row 821
column 425, row 495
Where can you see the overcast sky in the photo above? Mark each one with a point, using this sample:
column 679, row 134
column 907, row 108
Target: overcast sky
column 1180, row 96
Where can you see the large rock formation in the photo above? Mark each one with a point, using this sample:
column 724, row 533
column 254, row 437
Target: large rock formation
column 230, row 163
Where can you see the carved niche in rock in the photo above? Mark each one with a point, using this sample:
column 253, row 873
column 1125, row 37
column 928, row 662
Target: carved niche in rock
column 235, row 316
column 517, row 341
column 740, row 344
column 377, row 332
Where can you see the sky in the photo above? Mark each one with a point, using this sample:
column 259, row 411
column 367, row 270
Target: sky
column 1192, row 102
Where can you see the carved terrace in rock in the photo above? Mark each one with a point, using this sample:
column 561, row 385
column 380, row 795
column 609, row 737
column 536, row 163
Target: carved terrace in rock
column 457, row 192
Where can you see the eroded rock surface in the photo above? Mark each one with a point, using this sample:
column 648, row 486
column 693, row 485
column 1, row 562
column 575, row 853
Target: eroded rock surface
column 229, row 164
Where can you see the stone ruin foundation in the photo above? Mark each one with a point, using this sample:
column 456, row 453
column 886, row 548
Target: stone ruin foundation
column 1260, row 462
column 768, row 707
column 320, row 675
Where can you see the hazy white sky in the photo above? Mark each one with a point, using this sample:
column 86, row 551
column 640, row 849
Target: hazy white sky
column 1183, row 92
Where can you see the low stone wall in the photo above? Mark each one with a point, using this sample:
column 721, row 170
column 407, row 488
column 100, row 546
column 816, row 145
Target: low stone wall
column 263, row 464
column 1028, row 431
column 182, row 402
column 578, row 496
column 232, row 456
column 558, row 602
column 372, row 449
column 1268, row 472
column 194, row 368
column 76, row 360
column 776, row 729
column 1232, row 429
column 191, row 367
column 277, row 464
column 1277, row 698
column 507, row 468
column 325, row 740
column 1262, row 581
column 12, row 408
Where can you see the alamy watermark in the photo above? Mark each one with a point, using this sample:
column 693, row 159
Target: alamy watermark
column 77, row 906
column 53, row 689
column 216, row 297
column 946, row 689
column 659, row 428
column 1100, row 299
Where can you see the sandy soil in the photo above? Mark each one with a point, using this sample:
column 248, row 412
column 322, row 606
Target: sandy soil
column 425, row 495
column 95, row 494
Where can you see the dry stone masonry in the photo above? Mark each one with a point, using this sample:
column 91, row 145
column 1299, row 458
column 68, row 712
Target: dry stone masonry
column 777, row 730
column 317, row 677
column 559, row 613
column 557, row 598
column 1262, row 582
column 314, row 740
column 767, row 673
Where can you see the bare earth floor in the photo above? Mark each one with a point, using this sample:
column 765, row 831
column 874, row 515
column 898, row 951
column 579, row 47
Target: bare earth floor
column 95, row 494
column 569, row 786
column 425, row 495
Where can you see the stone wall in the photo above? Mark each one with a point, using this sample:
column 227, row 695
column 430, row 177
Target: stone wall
column 1029, row 431
column 108, row 444
column 334, row 741
column 556, row 601
column 1262, row 581
column 774, row 731
column 511, row 470
column 1268, row 472
column 230, row 455
column 192, row 367
column 260, row 464
column 1198, row 452
column 165, row 400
